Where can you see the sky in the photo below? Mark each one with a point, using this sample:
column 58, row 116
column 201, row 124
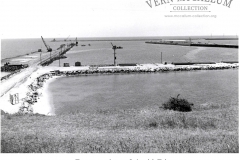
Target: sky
column 110, row 18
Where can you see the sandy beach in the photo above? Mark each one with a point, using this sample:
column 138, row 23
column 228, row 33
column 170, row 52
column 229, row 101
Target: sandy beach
column 19, row 84
column 43, row 106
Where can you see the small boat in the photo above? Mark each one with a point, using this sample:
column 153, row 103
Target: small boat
column 54, row 40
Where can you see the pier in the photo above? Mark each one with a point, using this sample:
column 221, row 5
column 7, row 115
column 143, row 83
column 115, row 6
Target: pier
column 58, row 54
column 41, row 59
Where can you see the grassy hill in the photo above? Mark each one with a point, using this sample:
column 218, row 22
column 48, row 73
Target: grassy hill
column 208, row 129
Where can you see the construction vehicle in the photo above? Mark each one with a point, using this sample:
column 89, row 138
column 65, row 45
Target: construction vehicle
column 48, row 47
column 115, row 47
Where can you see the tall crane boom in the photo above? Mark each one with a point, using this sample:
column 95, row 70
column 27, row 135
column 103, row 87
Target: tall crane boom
column 66, row 38
column 48, row 47
column 114, row 47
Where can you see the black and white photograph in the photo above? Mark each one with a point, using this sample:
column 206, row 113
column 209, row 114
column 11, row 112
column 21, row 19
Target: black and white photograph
column 119, row 79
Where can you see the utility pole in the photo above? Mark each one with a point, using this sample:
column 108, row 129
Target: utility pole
column 41, row 57
column 161, row 57
column 59, row 56
column 114, row 60
column 76, row 42
column 40, row 50
column 60, row 53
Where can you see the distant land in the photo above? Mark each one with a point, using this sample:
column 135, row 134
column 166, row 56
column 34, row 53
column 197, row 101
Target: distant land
column 146, row 38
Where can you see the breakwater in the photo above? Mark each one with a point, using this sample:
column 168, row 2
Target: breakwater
column 185, row 43
column 143, row 68
column 214, row 45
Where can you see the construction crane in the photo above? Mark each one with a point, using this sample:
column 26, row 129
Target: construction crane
column 114, row 49
column 48, row 47
column 66, row 38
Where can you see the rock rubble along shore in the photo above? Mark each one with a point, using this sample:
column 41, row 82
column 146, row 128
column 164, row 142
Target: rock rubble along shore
column 33, row 94
column 144, row 68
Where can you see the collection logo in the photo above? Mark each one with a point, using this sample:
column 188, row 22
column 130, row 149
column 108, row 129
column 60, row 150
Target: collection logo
column 190, row 6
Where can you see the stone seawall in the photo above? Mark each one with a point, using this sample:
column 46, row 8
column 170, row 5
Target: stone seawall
column 144, row 68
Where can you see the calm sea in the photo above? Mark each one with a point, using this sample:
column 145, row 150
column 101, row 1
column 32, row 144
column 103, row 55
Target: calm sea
column 16, row 47
column 90, row 93
column 128, row 91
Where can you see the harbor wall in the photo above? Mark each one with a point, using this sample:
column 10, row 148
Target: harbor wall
column 195, row 44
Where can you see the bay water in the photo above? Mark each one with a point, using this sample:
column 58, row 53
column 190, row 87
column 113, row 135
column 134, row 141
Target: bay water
column 131, row 91
column 94, row 92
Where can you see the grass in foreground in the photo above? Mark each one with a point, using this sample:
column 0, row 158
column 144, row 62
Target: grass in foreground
column 208, row 129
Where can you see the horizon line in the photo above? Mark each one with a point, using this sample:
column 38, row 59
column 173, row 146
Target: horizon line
column 223, row 35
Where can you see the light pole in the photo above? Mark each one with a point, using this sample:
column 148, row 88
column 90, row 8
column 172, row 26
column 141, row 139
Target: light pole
column 161, row 57
column 114, row 56
column 40, row 50
column 60, row 53
column 59, row 56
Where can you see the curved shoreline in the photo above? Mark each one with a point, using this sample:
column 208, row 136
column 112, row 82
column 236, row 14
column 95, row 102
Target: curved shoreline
column 34, row 94
column 21, row 87
column 44, row 103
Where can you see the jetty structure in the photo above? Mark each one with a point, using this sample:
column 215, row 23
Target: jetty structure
column 190, row 43
column 34, row 59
